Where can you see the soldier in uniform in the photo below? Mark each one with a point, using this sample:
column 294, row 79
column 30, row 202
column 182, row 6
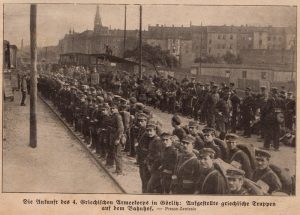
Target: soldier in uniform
column 264, row 176
column 211, row 102
column 137, row 132
column 235, row 102
column 144, row 142
column 235, row 178
column 168, row 161
column 104, row 123
column 193, row 127
column 209, row 141
column 290, row 111
column 247, row 112
column 187, row 169
column 153, row 160
column 117, row 129
column 237, row 157
column 272, row 128
column 223, row 110
column 211, row 180
column 178, row 130
column 23, row 90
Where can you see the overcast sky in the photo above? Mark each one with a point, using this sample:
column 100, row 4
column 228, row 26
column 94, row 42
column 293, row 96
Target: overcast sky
column 55, row 20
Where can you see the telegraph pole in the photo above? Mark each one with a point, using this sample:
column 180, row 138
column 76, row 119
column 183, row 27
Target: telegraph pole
column 33, row 80
column 124, row 48
column 140, row 45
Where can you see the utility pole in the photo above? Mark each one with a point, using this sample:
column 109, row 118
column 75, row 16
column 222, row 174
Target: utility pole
column 33, row 80
column 200, row 61
column 124, row 48
column 140, row 45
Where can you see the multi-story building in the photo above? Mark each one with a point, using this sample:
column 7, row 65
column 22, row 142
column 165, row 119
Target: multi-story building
column 187, row 43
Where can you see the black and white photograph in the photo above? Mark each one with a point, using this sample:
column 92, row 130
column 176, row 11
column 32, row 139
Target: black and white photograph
column 140, row 99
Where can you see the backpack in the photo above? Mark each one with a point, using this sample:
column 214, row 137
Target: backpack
column 285, row 178
column 250, row 152
column 251, row 186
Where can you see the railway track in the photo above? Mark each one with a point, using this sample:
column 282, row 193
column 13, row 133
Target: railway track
column 87, row 150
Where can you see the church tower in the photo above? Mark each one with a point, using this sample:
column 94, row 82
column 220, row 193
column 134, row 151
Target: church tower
column 97, row 22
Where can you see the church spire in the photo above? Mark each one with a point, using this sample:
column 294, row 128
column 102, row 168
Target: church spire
column 97, row 21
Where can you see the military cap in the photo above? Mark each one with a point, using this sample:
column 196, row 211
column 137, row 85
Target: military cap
column 151, row 124
column 100, row 99
column 212, row 83
column 208, row 129
column 206, row 151
column 248, row 88
column 193, row 124
column 139, row 105
column 123, row 100
column 117, row 97
column 226, row 88
column 231, row 137
column 132, row 100
column 262, row 153
column 142, row 116
column 188, row 139
column 282, row 92
column 105, row 106
column 176, row 119
column 214, row 86
column 263, row 87
column 166, row 135
column 206, row 84
column 147, row 111
column 231, row 84
column 235, row 173
column 92, row 89
column 277, row 110
column 274, row 89
column 290, row 93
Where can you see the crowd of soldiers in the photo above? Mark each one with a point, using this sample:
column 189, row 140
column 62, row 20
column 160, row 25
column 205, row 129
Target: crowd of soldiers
column 113, row 117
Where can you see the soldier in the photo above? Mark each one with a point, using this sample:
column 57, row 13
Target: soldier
column 143, row 143
column 264, row 175
column 290, row 111
column 235, row 178
column 211, row 102
column 117, row 129
column 211, row 180
column 223, row 110
column 153, row 160
column 178, row 130
column 23, row 90
column 168, row 161
column 272, row 128
column 193, row 127
column 187, row 169
column 235, row 101
column 104, row 123
column 209, row 141
column 247, row 112
column 237, row 157
column 127, row 121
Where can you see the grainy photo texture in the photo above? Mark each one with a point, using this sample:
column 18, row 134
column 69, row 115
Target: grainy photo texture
column 149, row 99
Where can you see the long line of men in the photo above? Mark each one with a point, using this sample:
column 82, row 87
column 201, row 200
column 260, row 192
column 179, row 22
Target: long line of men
column 184, row 162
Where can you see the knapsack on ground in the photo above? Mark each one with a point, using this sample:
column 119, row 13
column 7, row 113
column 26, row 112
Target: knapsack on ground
column 285, row 178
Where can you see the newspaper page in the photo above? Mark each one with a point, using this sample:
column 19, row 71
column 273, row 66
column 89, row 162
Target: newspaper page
column 149, row 107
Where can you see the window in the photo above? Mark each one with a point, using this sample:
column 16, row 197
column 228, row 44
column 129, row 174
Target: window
column 231, row 36
column 223, row 46
column 230, row 46
column 269, row 38
column 224, row 36
column 260, row 43
column 244, row 74
column 209, row 50
column 263, row 75
column 209, row 41
column 219, row 36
